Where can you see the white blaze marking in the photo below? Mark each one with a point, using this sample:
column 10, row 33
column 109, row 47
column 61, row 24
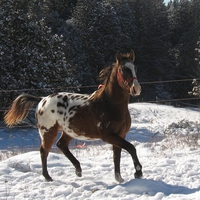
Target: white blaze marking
column 137, row 86
column 131, row 66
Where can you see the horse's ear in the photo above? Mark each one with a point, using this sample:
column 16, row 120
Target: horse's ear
column 118, row 57
column 132, row 55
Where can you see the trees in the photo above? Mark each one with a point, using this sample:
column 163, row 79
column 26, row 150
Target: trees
column 196, row 85
column 31, row 55
column 104, row 28
column 51, row 43
column 107, row 26
column 184, row 21
column 151, row 45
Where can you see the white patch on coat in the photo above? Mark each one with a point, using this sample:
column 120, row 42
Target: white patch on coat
column 49, row 113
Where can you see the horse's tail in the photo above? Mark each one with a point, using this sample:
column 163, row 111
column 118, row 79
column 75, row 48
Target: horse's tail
column 20, row 108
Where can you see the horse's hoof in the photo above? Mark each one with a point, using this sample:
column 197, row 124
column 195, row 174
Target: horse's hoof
column 49, row 179
column 119, row 178
column 78, row 173
column 138, row 174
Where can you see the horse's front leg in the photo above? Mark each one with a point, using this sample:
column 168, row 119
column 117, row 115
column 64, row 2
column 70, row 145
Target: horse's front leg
column 122, row 143
column 62, row 144
column 116, row 159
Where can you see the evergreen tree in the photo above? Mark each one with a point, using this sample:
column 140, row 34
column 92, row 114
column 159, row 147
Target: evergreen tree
column 32, row 57
column 184, row 27
column 45, row 44
column 99, row 30
column 152, row 46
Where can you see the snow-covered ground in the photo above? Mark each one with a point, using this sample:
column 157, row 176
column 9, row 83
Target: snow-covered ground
column 167, row 140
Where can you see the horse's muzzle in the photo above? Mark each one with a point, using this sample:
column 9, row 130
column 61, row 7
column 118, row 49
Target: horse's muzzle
column 136, row 89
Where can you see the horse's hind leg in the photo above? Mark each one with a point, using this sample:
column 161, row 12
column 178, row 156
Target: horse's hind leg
column 116, row 158
column 62, row 144
column 48, row 137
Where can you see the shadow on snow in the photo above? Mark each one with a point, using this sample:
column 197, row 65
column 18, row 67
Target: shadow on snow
column 152, row 187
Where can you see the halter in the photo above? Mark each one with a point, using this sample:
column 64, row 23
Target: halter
column 127, row 81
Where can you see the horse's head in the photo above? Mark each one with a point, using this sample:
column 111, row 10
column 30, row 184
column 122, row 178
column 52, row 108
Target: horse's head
column 126, row 75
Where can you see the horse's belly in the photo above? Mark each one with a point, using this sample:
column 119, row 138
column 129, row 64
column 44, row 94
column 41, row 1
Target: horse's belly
column 82, row 124
column 80, row 136
column 81, row 127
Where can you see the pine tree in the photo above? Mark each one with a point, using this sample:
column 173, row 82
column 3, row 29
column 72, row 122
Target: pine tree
column 32, row 57
column 152, row 46
column 97, row 24
column 184, row 28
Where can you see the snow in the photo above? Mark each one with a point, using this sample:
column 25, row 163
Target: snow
column 167, row 141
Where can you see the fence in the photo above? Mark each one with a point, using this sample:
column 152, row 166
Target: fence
column 96, row 86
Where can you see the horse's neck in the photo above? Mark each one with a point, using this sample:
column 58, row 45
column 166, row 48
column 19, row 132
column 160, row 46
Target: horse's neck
column 114, row 92
column 111, row 92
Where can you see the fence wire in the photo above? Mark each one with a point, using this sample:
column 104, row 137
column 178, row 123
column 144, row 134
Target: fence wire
column 96, row 86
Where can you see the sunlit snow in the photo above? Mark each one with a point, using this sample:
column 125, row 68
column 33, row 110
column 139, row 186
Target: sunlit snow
column 167, row 140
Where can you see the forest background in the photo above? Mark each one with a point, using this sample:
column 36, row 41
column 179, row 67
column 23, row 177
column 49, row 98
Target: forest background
column 48, row 46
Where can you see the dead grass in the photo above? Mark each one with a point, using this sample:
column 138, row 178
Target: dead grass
column 182, row 134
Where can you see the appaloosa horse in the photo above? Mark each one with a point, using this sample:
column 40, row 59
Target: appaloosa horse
column 102, row 115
